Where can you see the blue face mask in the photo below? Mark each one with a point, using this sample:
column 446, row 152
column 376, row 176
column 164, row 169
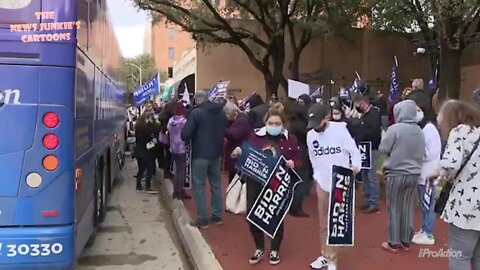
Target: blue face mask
column 419, row 116
column 274, row 130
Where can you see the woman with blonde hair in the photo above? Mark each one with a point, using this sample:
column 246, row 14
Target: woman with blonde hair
column 459, row 124
column 277, row 106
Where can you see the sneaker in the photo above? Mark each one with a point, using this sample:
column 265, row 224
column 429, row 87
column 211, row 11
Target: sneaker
column 257, row 257
column 216, row 220
column 199, row 224
column 274, row 257
column 424, row 239
column 319, row 263
column 332, row 266
column 417, row 235
column 139, row 189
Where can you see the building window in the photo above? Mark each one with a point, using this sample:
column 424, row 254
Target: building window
column 171, row 53
column 171, row 33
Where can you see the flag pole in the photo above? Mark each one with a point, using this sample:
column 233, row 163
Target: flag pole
column 358, row 75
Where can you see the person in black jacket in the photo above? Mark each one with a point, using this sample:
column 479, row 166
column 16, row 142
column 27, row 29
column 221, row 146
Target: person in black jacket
column 297, row 116
column 144, row 135
column 368, row 129
column 258, row 109
column 164, row 156
column 205, row 129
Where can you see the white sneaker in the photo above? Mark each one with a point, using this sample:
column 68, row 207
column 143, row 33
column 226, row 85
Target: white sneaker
column 319, row 263
column 424, row 239
column 417, row 236
column 332, row 266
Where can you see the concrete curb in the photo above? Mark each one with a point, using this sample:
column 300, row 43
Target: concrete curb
column 200, row 253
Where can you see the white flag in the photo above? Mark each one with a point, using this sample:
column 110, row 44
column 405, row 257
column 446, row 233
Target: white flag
column 186, row 96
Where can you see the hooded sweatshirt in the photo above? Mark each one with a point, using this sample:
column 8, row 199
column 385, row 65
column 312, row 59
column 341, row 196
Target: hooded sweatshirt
column 404, row 142
column 206, row 129
column 175, row 126
column 334, row 146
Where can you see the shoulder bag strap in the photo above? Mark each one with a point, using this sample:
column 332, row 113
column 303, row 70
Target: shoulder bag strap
column 468, row 157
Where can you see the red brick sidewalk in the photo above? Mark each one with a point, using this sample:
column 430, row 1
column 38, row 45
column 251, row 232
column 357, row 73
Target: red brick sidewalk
column 233, row 245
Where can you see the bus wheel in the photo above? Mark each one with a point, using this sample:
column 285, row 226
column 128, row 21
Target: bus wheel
column 100, row 205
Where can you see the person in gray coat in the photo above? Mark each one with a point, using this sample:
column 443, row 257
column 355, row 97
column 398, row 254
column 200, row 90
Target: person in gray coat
column 404, row 147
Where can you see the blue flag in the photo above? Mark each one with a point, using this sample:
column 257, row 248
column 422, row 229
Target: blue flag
column 394, row 93
column 219, row 90
column 433, row 83
column 147, row 90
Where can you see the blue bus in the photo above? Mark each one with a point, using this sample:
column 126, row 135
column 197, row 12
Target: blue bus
column 62, row 141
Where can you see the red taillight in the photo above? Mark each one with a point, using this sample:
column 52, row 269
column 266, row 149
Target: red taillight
column 51, row 120
column 51, row 213
column 50, row 141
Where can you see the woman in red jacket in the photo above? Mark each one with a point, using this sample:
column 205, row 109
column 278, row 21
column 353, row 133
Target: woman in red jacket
column 274, row 139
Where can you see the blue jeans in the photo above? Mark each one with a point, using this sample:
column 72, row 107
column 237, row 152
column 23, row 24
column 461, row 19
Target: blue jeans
column 370, row 182
column 428, row 215
column 201, row 170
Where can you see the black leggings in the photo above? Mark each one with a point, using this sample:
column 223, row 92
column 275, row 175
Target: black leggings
column 253, row 190
column 145, row 166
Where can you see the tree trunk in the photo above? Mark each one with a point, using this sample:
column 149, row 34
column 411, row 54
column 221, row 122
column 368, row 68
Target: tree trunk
column 295, row 66
column 271, row 86
column 278, row 62
column 450, row 78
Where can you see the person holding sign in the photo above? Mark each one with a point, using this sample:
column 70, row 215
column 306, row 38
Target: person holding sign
column 274, row 139
column 329, row 144
column 404, row 147
column 368, row 128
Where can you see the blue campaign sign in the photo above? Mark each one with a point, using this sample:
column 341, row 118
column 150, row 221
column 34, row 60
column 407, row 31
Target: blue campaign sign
column 341, row 231
column 366, row 154
column 144, row 92
column 275, row 199
column 257, row 164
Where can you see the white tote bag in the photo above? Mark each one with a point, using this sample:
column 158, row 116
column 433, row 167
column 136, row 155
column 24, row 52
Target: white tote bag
column 236, row 198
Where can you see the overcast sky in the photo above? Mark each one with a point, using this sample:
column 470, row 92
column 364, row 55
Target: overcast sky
column 129, row 26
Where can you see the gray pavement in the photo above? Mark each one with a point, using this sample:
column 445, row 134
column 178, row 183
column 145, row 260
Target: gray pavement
column 137, row 233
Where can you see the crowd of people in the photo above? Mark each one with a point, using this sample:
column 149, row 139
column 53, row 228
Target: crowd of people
column 416, row 148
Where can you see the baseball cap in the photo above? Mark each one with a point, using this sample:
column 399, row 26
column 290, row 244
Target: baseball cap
column 317, row 113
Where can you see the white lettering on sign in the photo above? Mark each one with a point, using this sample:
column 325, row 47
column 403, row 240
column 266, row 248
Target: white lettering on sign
column 363, row 151
column 340, row 207
column 33, row 250
column 271, row 201
column 254, row 167
column 10, row 96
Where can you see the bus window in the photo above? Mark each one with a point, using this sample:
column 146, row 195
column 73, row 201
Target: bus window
column 18, row 12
